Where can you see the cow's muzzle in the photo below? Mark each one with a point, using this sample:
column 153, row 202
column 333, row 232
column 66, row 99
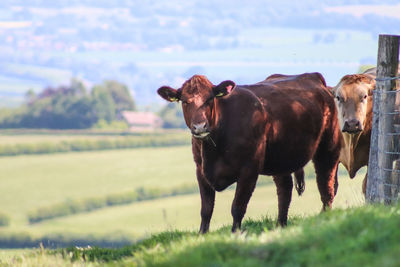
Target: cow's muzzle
column 352, row 126
column 200, row 130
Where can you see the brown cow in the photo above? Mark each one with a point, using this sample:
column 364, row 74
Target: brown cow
column 353, row 97
column 273, row 128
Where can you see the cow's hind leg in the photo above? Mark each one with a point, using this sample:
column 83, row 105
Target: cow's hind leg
column 326, row 160
column 284, row 187
column 299, row 181
column 244, row 189
column 336, row 180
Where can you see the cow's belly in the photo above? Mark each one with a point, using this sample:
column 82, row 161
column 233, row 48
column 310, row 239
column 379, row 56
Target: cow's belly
column 292, row 140
column 285, row 158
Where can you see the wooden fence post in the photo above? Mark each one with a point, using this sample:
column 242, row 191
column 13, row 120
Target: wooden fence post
column 380, row 162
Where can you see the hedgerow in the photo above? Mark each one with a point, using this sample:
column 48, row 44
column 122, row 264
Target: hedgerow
column 70, row 207
column 89, row 144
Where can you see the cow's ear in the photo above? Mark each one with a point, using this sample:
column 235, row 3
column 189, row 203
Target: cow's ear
column 370, row 89
column 169, row 94
column 224, row 88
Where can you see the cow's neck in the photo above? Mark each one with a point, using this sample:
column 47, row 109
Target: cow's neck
column 351, row 155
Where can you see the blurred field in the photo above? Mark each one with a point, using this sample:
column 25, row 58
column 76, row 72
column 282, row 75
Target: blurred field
column 29, row 182
column 34, row 136
column 29, row 139
column 183, row 212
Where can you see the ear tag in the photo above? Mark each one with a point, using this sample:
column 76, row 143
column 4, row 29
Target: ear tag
column 219, row 94
column 174, row 99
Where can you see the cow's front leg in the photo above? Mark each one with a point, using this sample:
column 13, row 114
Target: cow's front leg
column 284, row 187
column 207, row 194
column 244, row 189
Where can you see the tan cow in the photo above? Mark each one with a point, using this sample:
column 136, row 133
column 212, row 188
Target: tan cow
column 353, row 97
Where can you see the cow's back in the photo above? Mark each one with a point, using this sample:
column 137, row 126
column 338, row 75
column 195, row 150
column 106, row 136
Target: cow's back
column 298, row 108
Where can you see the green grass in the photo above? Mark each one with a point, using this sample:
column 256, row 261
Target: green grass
column 70, row 207
column 31, row 182
column 40, row 180
column 15, row 142
column 366, row 236
column 34, row 136
column 38, row 138
column 183, row 212
column 141, row 219
column 360, row 236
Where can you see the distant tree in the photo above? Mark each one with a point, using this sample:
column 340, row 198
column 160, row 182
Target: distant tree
column 30, row 96
column 363, row 68
column 120, row 95
column 103, row 104
column 80, row 114
column 172, row 116
column 63, row 107
column 70, row 107
column 77, row 86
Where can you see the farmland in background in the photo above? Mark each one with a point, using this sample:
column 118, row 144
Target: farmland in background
column 32, row 182
column 22, row 141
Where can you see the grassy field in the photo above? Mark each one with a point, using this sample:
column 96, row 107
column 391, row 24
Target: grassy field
column 34, row 136
column 29, row 182
column 40, row 180
column 361, row 236
column 183, row 212
column 32, row 181
column 31, row 142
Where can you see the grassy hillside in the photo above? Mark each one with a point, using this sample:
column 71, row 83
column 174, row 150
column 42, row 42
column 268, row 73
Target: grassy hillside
column 362, row 236
column 366, row 236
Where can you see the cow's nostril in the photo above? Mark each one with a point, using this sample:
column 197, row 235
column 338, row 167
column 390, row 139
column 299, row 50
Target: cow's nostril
column 352, row 126
column 200, row 130
column 199, row 127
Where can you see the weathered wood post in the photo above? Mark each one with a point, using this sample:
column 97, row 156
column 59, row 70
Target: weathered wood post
column 379, row 177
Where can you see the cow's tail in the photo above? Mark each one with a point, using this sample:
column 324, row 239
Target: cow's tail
column 299, row 181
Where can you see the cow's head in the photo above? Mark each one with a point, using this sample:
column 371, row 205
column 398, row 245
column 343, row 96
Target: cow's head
column 353, row 96
column 197, row 96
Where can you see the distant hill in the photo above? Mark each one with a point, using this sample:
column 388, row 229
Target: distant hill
column 146, row 44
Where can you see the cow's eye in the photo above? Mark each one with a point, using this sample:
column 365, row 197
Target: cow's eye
column 363, row 98
column 340, row 99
